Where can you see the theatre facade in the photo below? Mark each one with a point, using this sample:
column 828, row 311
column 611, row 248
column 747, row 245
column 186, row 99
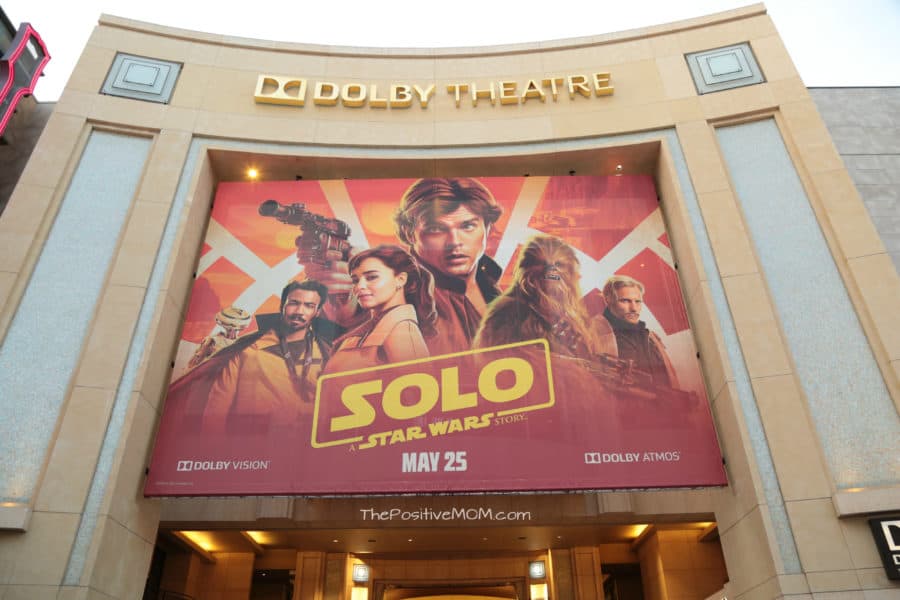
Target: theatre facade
column 184, row 179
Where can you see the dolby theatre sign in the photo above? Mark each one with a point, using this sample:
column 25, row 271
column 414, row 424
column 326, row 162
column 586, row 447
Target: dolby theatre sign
column 296, row 91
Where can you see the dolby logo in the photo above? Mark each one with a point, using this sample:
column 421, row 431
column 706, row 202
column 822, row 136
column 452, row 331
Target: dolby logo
column 886, row 532
column 593, row 458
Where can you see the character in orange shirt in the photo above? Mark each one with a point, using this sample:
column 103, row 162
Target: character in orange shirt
column 271, row 379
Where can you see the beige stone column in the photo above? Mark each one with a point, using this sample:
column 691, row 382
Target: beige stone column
column 586, row 576
column 310, row 574
column 120, row 543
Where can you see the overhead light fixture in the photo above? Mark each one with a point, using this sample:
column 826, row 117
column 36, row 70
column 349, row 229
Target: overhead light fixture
column 254, row 538
column 260, row 537
column 537, row 569
column 252, row 173
column 641, row 533
column 638, row 530
column 203, row 539
column 198, row 541
column 618, row 170
column 360, row 573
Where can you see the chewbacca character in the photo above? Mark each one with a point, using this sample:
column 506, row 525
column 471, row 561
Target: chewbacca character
column 544, row 301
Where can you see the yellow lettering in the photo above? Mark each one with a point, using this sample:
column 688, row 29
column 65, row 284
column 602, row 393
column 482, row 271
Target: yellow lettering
column 523, row 379
column 273, row 89
column 326, row 94
column 292, row 91
column 601, row 84
column 353, row 95
column 424, row 95
column 451, row 399
column 554, row 83
column 508, row 92
column 375, row 439
column 428, row 396
column 457, row 89
column 362, row 413
column 578, row 83
column 374, row 100
column 472, row 423
column 488, row 93
column 401, row 96
column 533, row 91
column 415, row 433
column 438, row 427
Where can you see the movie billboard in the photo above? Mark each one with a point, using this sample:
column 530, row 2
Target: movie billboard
column 435, row 335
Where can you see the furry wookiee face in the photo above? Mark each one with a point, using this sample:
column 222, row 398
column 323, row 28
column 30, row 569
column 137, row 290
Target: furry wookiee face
column 548, row 268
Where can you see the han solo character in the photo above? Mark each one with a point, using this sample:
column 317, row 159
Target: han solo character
column 267, row 378
column 624, row 298
column 446, row 223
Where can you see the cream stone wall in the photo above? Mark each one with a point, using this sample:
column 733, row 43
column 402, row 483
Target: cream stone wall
column 786, row 531
column 21, row 134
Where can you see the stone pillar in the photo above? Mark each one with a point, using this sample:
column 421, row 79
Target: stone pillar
column 588, row 580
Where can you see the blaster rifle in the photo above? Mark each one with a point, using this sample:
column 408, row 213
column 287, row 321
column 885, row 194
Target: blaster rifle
column 322, row 240
column 620, row 375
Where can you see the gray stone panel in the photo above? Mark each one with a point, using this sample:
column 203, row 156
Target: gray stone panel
column 724, row 68
column 854, row 415
column 141, row 78
column 865, row 126
column 73, row 264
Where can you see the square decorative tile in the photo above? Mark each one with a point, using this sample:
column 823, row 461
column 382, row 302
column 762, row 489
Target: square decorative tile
column 724, row 68
column 141, row 78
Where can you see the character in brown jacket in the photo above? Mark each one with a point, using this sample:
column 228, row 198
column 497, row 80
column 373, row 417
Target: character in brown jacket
column 446, row 223
column 624, row 300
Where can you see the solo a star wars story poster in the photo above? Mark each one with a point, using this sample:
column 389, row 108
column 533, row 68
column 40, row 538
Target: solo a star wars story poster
column 435, row 335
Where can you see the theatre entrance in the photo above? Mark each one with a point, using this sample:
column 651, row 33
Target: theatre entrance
column 673, row 559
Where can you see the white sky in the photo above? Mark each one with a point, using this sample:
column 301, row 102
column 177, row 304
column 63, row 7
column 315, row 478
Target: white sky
column 832, row 42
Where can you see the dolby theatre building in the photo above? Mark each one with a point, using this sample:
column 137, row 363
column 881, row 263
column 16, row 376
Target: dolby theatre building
column 646, row 343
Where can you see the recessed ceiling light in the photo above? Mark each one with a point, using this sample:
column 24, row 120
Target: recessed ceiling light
column 252, row 173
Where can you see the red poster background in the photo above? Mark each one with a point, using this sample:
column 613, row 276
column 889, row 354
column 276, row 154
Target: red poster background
column 595, row 438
